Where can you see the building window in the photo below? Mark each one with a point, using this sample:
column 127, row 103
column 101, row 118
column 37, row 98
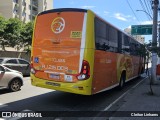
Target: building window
column 24, row 3
column 29, row 7
column 24, row 14
column 16, row 1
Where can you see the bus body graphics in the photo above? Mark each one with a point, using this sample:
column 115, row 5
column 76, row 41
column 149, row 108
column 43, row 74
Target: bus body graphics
column 74, row 50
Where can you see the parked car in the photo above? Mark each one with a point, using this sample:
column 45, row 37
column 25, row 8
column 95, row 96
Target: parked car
column 11, row 79
column 18, row 64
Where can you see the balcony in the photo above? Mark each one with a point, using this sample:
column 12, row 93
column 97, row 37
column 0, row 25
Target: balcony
column 24, row 4
column 34, row 3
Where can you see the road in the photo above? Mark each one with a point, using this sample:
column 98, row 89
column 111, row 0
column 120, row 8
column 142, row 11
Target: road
column 31, row 98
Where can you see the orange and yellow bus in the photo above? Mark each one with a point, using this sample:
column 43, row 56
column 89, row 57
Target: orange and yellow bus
column 74, row 50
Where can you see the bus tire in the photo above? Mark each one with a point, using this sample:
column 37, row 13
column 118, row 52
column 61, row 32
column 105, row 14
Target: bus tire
column 122, row 80
column 142, row 70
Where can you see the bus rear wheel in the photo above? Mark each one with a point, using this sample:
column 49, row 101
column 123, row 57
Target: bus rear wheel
column 122, row 81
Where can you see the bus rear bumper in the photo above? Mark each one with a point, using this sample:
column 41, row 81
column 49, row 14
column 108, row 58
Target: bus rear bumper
column 78, row 88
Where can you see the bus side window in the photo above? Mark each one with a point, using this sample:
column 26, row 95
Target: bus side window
column 126, row 44
column 119, row 42
column 113, row 39
column 101, row 35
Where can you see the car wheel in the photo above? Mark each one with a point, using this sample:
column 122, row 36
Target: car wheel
column 15, row 85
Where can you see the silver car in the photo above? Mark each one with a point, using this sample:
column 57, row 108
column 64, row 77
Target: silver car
column 11, row 79
column 18, row 64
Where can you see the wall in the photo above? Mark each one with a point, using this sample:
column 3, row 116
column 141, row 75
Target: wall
column 15, row 54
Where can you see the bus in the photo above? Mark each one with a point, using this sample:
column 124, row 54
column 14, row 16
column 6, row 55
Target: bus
column 76, row 51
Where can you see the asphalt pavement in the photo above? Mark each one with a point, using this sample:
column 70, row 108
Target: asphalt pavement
column 141, row 102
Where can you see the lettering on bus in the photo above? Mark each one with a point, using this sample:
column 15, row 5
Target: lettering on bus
column 107, row 61
column 53, row 67
column 55, row 60
column 76, row 34
column 52, row 52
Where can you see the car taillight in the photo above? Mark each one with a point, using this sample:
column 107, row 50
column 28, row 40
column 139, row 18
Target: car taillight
column 85, row 71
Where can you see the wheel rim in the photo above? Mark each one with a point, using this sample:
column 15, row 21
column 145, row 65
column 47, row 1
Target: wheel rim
column 15, row 85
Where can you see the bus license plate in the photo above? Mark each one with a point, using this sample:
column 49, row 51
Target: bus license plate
column 54, row 76
column 68, row 78
column 53, row 84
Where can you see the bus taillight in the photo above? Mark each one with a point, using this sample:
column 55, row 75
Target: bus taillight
column 33, row 71
column 85, row 71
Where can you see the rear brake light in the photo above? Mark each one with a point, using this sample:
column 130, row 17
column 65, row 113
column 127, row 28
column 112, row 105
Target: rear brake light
column 33, row 70
column 85, row 71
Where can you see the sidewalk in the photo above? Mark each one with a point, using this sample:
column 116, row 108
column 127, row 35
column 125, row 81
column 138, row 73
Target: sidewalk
column 140, row 103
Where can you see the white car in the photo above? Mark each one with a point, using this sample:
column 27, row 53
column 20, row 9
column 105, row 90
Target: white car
column 18, row 64
column 11, row 79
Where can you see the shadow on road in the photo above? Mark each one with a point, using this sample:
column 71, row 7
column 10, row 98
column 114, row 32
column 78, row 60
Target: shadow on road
column 61, row 101
column 4, row 91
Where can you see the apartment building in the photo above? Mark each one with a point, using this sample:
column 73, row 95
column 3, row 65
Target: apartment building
column 25, row 10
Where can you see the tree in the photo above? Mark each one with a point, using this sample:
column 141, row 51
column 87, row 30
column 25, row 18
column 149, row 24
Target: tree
column 3, row 23
column 13, row 32
column 26, row 35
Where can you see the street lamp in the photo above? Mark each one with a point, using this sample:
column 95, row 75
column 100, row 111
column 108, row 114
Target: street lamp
column 146, row 13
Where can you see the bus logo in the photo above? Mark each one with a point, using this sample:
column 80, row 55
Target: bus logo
column 58, row 25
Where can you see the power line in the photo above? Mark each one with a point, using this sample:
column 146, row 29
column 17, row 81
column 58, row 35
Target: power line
column 149, row 2
column 147, row 6
column 144, row 9
column 133, row 11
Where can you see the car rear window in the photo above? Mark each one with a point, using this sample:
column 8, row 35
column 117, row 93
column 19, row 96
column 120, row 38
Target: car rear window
column 13, row 61
column 23, row 62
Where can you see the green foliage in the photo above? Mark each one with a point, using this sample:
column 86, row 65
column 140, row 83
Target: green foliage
column 15, row 33
column 152, row 47
column 26, row 34
column 2, row 26
column 2, row 32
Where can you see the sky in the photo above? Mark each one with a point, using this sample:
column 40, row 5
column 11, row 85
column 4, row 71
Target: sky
column 120, row 13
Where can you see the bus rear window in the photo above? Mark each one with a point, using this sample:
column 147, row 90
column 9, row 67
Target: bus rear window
column 59, row 29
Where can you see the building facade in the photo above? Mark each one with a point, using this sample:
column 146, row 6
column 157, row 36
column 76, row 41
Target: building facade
column 25, row 10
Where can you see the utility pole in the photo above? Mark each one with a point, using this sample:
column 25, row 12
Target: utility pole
column 154, row 41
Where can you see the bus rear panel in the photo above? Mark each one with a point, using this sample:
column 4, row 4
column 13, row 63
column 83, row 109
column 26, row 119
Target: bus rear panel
column 58, row 48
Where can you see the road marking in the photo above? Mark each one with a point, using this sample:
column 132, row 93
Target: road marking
column 108, row 107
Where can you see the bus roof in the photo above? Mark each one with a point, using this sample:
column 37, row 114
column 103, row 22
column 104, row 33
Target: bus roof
column 63, row 10
column 84, row 10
